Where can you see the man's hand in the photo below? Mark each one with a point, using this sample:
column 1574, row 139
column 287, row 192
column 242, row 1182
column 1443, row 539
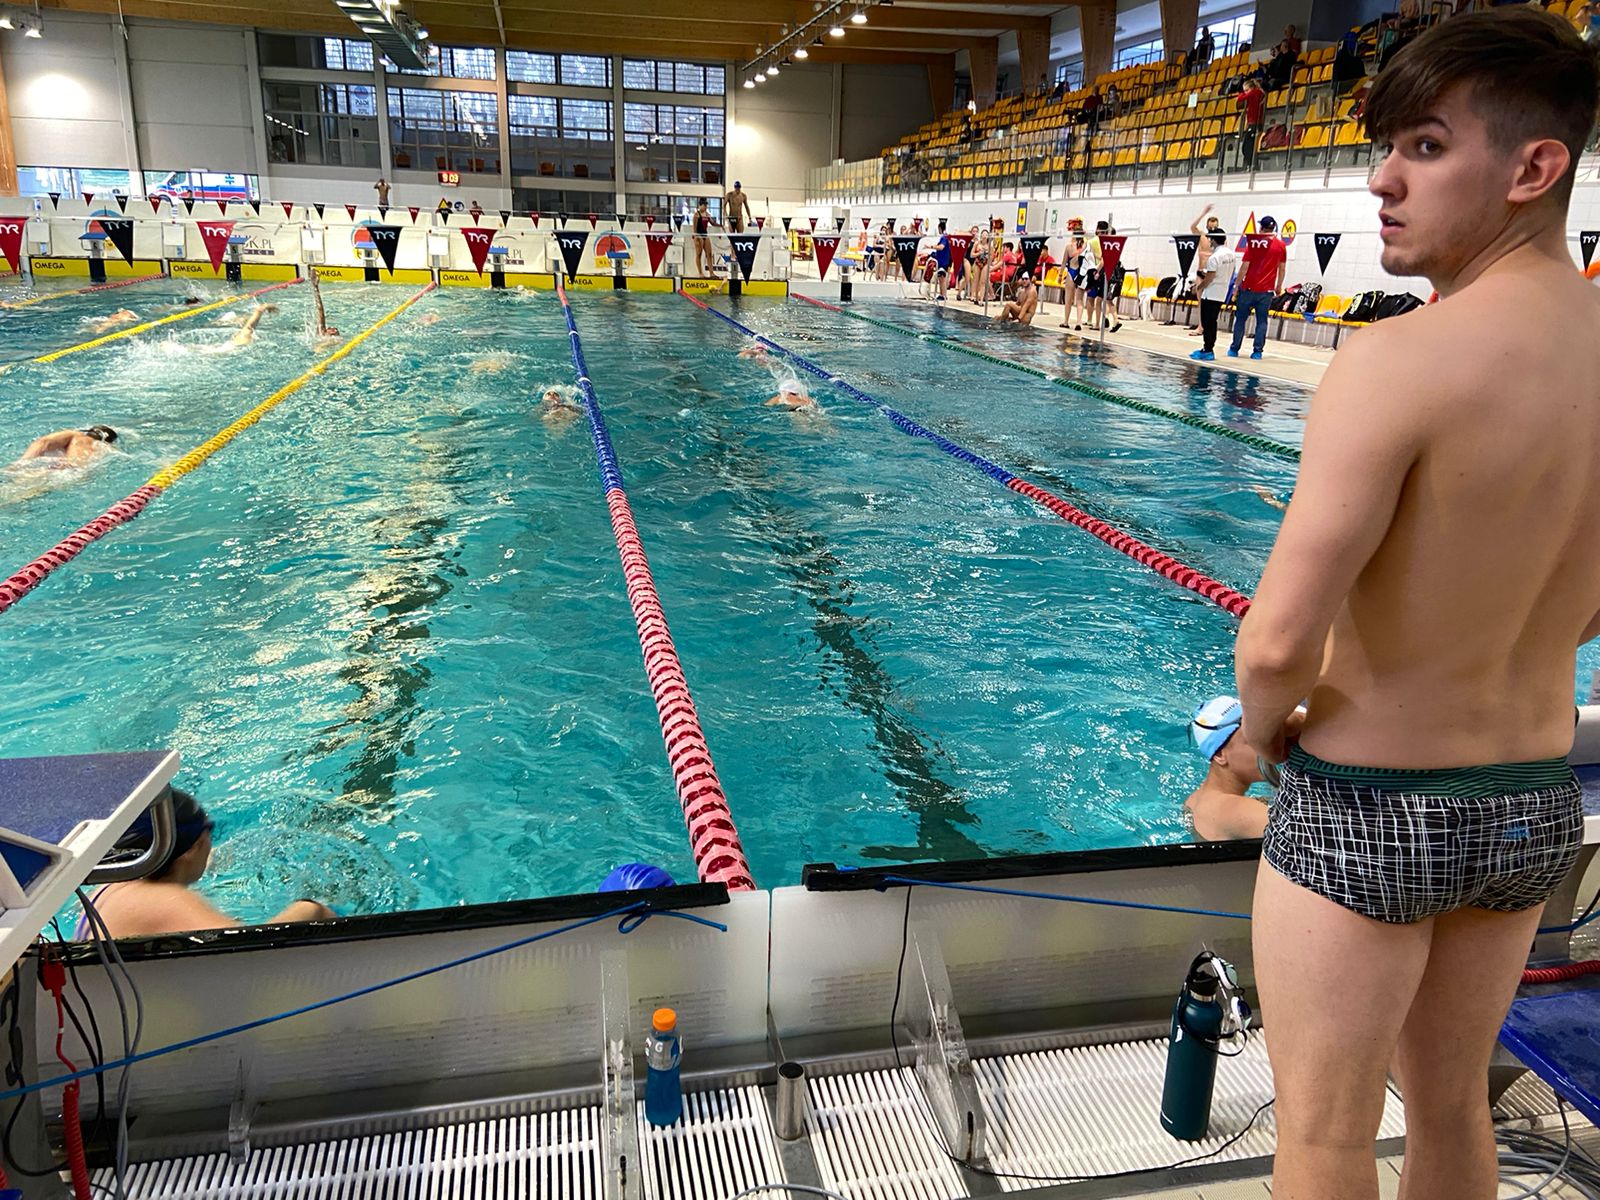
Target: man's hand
column 1273, row 745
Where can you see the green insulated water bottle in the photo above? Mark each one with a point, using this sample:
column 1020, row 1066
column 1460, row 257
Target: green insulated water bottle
column 1197, row 1023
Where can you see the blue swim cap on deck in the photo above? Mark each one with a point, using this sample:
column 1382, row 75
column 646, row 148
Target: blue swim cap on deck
column 1213, row 723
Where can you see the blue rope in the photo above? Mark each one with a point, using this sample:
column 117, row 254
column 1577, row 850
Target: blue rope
column 610, row 468
column 1095, row 900
column 1168, row 908
column 633, row 915
column 902, row 422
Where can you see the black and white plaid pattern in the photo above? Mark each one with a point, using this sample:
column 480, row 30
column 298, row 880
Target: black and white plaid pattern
column 1402, row 857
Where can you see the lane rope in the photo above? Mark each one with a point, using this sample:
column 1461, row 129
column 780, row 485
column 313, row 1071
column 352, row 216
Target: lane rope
column 1281, row 449
column 83, row 291
column 146, row 326
column 21, row 582
column 1220, row 594
column 713, row 839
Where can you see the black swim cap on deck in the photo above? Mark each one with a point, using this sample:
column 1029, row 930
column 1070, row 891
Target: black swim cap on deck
column 101, row 433
column 190, row 825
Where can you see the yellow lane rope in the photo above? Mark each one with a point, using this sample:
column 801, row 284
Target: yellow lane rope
column 205, row 450
column 146, row 326
column 83, row 291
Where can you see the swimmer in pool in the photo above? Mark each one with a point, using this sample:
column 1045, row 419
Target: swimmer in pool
column 557, row 409
column 326, row 334
column 429, row 319
column 754, row 350
column 247, row 332
column 491, row 364
column 1221, row 808
column 123, row 316
column 1267, row 496
column 166, row 901
column 790, row 397
column 69, row 447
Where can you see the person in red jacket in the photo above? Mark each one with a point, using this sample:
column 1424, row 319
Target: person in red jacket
column 1254, row 102
column 1260, row 279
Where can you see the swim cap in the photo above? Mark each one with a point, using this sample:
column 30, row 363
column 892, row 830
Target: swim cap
column 102, row 433
column 737, row 185
column 190, row 824
column 634, row 876
column 1213, row 723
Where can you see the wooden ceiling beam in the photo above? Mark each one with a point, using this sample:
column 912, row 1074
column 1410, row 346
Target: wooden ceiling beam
column 456, row 12
column 846, row 54
column 307, row 15
column 517, row 39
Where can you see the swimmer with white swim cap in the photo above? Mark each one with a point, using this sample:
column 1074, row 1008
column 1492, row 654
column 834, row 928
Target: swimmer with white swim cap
column 792, row 396
column 1221, row 808
column 557, row 409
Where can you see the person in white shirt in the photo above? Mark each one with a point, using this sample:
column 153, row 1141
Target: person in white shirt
column 1212, row 288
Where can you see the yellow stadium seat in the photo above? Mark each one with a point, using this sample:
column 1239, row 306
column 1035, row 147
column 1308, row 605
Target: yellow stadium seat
column 1178, row 151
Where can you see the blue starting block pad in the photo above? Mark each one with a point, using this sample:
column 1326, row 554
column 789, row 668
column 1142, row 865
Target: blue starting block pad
column 1589, row 779
column 93, row 236
column 62, row 815
column 1557, row 1036
column 238, row 239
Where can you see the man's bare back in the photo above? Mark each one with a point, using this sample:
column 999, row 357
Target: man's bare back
column 69, row 446
column 1498, row 513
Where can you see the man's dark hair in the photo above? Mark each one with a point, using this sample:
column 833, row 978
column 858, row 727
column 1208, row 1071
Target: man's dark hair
column 1529, row 73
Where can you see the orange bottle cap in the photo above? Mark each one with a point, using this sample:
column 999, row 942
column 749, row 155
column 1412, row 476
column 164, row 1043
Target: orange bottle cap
column 665, row 1020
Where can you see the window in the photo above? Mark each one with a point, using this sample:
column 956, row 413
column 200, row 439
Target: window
column 550, row 202
column 585, row 70
column 202, row 185
column 1141, row 52
column 346, row 54
column 439, row 130
column 1070, row 74
column 586, row 120
column 677, row 210
column 463, row 62
column 322, row 124
column 524, row 66
column 1232, row 33
column 71, row 181
column 673, row 143
column 561, row 138
column 651, row 75
column 534, row 129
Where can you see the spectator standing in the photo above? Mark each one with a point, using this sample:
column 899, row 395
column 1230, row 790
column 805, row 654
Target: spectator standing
column 736, row 208
column 382, row 188
column 1202, row 250
column 1212, row 288
column 1265, row 260
column 1254, row 103
column 1091, row 111
column 1200, row 56
column 1113, row 102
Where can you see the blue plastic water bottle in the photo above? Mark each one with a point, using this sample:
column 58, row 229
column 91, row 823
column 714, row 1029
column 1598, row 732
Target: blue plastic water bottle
column 663, row 1094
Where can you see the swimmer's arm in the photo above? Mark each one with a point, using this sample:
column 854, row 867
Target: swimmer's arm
column 1359, row 447
column 50, row 443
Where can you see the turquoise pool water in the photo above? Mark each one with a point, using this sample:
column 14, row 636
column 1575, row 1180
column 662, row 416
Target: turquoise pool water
column 387, row 628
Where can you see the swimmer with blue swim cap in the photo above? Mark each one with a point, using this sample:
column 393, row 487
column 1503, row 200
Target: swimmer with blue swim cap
column 1220, row 807
column 164, row 902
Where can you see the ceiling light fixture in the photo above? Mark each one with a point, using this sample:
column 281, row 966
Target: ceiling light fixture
column 773, row 69
column 858, row 18
column 6, row 21
column 749, row 83
column 802, row 53
column 836, row 31
column 761, row 77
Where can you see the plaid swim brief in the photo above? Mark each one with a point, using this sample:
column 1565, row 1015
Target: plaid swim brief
column 1401, row 846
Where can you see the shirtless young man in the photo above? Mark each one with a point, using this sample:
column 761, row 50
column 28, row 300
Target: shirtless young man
column 72, row 447
column 247, row 331
column 123, row 316
column 1021, row 309
column 1428, row 592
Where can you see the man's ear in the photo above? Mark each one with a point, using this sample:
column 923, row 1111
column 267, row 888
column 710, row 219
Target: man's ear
column 1540, row 166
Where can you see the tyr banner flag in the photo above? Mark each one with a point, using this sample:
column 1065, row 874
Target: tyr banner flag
column 825, row 245
column 744, row 251
column 1187, row 244
column 387, row 240
column 215, row 235
column 813, row 221
column 120, row 235
column 960, row 243
column 1327, row 243
column 785, row 224
column 288, row 208
column 1586, row 243
column 656, row 245
column 905, row 249
column 572, row 242
column 11, row 240
column 1032, row 247
column 1111, row 253
column 478, row 243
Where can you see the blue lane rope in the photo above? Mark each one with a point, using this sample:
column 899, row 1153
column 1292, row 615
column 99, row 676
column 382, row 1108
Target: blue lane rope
column 610, row 468
column 1133, row 904
column 633, row 915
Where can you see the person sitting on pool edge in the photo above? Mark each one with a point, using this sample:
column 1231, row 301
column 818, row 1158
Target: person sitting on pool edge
column 70, row 446
column 1021, row 309
column 1220, row 807
column 165, row 902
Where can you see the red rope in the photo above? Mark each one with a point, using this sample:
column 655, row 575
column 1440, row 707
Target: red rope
column 1562, row 973
column 64, row 551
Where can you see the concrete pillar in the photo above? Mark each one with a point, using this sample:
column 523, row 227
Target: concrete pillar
column 1099, row 21
column 985, row 54
column 1180, row 21
column 8, row 148
column 1033, row 53
column 942, row 83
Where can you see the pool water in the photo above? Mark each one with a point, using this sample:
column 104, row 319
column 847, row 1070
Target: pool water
column 387, row 628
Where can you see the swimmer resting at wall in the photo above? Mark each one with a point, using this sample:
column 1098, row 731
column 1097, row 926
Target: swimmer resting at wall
column 69, row 447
